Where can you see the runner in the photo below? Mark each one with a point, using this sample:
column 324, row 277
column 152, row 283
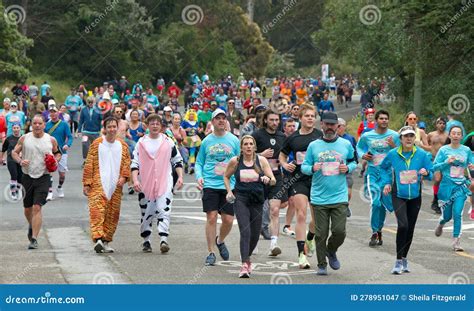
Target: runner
column 325, row 105
column 252, row 172
column 421, row 139
column 61, row 132
column 341, row 132
column 14, row 116
column 373, row 146
column 436, row 140
column 106, row 170
column 35, row 148
column 154, row 158
column 410, row 166
column 469, row 142
column 269, row 142
column 452, row 160
column 90, row 122
column 289, row 129
column 297, row 144
column 74, row 103
column 328, row 160
column 216, row 151
column 13, row 167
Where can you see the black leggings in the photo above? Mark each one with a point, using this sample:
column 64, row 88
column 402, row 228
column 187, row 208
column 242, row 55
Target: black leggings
column 406, row 212
column 15, row 171
column 249, row 218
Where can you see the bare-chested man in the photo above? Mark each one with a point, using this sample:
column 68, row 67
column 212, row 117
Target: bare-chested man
column 436, row 140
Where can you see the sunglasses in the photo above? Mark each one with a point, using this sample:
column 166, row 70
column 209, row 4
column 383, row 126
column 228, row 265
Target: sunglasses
column 412, row 119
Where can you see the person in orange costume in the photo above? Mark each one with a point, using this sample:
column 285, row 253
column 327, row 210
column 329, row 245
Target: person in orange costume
column 106, row 170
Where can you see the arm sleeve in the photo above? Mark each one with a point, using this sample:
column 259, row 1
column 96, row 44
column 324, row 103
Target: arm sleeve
column 176, row 158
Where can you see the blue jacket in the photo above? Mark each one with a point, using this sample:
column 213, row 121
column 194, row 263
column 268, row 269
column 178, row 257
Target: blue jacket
column 90, row 123
column 399, row 164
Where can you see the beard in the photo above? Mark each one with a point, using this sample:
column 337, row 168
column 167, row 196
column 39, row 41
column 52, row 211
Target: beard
column 329, row 134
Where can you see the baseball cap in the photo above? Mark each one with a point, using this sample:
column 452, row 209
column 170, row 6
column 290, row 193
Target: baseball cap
column 341, row 121
column 260, row 107
column 329, row 117
column 167, row 108
column 53, row 107
column 13, row 104
column 407, row 130
column 217, row 112
column 213, row 103
column 6, row 100
column 422, row 125
column 115, row 101
column 370, row 110
column 106, row 96
column 51, row 102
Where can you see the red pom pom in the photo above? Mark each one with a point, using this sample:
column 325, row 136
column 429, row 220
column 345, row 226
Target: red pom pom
column 50, row 162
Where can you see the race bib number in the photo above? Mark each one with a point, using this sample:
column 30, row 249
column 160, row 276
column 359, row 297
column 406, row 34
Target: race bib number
column 248, row 175
column 456, row 172
column 85, row 138
column 274, row 164
column 378, row 158
column 220, row 168
column 300, row 157
column 408, row 177
column 330, row 168
column 73, row 108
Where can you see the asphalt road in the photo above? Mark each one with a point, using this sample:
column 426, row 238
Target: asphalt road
column 66, row 255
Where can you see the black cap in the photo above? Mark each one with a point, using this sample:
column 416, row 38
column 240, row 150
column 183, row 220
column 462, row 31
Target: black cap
column 329, row 117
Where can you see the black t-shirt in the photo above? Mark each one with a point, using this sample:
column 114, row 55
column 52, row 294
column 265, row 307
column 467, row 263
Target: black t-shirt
column 298, row 144
column 266, row 140
column 8, row 146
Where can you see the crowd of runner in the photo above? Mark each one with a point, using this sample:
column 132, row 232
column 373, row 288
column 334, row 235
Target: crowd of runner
column 251, row 155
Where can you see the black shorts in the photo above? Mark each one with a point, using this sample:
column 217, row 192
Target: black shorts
column 36, row 190
column 277, row 192
column 214, row 200
column 301, row 187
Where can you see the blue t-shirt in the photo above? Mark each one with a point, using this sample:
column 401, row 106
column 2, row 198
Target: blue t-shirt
column 328, row 186
column 325, row 105
column 61, row 133
column 212, row 159
column 222, row 100
column 73, row 103
column 453, row 172
column 153, row 100
column 377, row 144
column 15, row 118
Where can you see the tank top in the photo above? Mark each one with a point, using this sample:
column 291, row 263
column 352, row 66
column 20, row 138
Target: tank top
column 34, row 150
column 247, row 179
column 134, row 133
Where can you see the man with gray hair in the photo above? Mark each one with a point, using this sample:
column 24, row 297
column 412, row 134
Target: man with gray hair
column 341, row 131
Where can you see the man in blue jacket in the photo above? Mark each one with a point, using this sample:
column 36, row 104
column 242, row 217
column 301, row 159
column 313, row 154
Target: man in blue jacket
column 61, row 132
column 90, row 122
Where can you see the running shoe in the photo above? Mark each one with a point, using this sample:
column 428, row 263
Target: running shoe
column 33, row 244
column 210, row 259
column 50, row 196
column 223, row 251
column 435, row 207
column 107, row 248
column 244, row 271
column 379, row 238
column 439, row 230
column 373, row 240
column 99, row 246
column 288, row 231
column 275, row 250
column 146, row 247
column 164, row 247
column 457, row 245
column 333, row 261
column 309, row 248
column 60, row 192
column 405, row 265
column 249, row 266
column 397, row 269
column 322, row 271
column 303, row 262
column 266, row 234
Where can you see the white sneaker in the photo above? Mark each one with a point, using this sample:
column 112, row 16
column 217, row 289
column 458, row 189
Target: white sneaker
column 99, row 246
column 287, row 231
column 457, row 245
column 60, row 192
column 14, row 196
column 107, row 248
column 50, row 196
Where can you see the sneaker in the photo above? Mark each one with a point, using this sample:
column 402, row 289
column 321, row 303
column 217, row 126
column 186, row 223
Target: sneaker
column 210, row 259
column 287, row 231
column 435, row 207
column 348, row 212
column 309, row 248
column 244, row 271
column 379, row 238
column 107, row 248
column 439, row 230
column 99, row 246
column 33, row 244
column 50, row 196
column 405, row 265
column 397, row 269
column 322, row 271
column 266, row 234
column 60, row 192
column 130, row 190
column 373, row 240
column 223, row 251
column 275, row 250
column 164, row 247
column 249, row 266
column 146, row 247
column 333, row 261
column 457, row 245
column 303, row 262
column 191, row 171
column 30, row 233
